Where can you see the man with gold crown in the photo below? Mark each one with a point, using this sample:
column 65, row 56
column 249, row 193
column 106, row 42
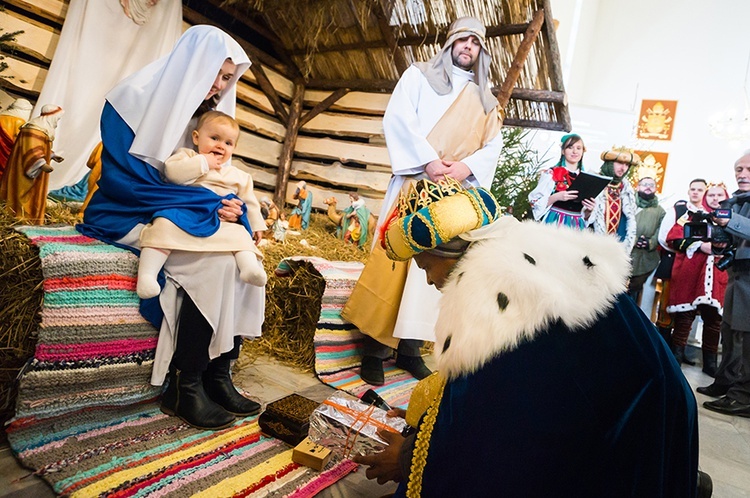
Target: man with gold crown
column 614, row 212
column 442, row 121
column 541, row 389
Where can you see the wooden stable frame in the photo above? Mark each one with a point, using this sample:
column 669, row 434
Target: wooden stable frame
column 325, row 131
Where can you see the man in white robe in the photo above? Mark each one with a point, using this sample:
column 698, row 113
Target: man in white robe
column 442, row 120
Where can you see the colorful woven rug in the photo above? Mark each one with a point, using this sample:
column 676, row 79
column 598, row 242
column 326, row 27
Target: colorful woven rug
column 85, row 419
column 94, row 348
column 139, row 451
column 338, row 344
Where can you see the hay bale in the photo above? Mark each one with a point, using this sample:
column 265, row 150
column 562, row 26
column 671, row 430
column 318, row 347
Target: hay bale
column 21, row 297
column 293, row 303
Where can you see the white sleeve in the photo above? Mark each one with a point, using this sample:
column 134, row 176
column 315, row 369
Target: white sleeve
column 539, row 197
column 666, row 225
column 409, row 151
column 184, row 167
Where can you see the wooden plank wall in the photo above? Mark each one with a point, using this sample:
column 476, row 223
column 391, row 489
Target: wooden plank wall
column 339, row 151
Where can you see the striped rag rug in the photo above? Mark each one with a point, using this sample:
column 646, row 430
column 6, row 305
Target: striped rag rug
column 86, row 421
column 338, row 343
column 93, row 347
column 138, row 451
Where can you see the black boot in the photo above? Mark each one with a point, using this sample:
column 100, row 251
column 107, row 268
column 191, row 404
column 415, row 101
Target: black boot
column 186, row 398
column 414, row 365
column 218, row 384
column 371, row 370
column 679, row 354
column 666, row 334
column 709, row 363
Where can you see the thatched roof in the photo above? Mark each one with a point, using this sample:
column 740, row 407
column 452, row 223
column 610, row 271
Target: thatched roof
column 367, row 44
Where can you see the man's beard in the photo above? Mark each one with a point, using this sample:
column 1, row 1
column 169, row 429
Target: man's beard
column 457, row 63
column 645, row 196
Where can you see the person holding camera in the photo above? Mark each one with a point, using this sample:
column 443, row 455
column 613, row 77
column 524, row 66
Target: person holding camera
column 732, row 381
column 698, row 280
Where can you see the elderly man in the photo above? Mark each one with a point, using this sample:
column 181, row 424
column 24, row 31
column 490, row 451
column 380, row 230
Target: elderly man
column 648, row 216
column 548, row 391
column 442, row 120
column 732, row 380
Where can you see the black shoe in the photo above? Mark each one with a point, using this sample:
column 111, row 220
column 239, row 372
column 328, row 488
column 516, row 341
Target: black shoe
column 705, row 485
column 371, row 371
column 414, row 365
column 728, row 406
column 714, row 390
column 218, row 384
column 709, row 363
column 186, row 398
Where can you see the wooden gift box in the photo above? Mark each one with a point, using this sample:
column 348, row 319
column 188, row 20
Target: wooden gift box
column 288, row 418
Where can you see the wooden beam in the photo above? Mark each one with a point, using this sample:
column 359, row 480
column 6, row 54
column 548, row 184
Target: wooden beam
column 346, row 125
column 385, row 29
column 322, row 106
column 268, row 90
column 338, row 174
column 384, row 86
column 553, row 58
column 52, row 10
column 360, row 102
column 535, row 95
column 37, row 40
column 520, row 58
column 290, row 142
column 22, row 77
column 387, row 86
column 194, row 17
column 530, row 123
column 413, row 41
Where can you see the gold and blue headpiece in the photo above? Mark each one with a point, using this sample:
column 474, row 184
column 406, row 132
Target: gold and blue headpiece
column 433, row 213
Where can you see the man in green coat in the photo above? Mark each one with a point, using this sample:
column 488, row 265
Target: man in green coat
column 648, row 217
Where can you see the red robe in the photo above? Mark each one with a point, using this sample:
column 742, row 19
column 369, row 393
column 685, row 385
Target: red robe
column 694, row 280
column 9, row 128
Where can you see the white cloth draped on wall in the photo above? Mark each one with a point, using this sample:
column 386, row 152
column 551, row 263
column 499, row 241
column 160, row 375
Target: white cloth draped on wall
column 99, row 46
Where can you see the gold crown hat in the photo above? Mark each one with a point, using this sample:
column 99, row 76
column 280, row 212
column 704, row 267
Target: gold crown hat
column 433, row 213
column 621, row 155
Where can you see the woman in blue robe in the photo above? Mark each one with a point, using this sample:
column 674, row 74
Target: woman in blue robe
column 206, row 308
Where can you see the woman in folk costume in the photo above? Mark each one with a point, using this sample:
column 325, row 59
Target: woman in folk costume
column 614, row 213
column 442, row 120
column 11, row 120
column 554, row 183
column 697, row 285
column 24, row 184
column 535, row 380
column 207, row 308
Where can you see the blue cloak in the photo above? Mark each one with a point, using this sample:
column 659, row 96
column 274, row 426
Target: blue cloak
column 604, row 411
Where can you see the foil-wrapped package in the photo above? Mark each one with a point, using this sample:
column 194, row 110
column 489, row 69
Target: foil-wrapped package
column 348, row 426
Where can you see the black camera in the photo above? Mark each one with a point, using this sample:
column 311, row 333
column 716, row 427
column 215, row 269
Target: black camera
column 701, row 228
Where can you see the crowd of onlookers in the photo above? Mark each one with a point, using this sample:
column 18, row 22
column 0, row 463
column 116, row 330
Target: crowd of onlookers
column 696, row 254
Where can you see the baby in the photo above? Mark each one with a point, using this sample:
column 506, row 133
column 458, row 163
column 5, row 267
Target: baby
column 215, row 138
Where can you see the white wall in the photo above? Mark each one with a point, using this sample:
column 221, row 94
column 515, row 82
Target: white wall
column 692, row 51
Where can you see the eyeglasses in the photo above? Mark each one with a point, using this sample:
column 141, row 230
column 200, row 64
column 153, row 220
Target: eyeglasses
column 648, row 184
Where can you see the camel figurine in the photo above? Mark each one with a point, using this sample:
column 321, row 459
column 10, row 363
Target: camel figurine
column 348, row 222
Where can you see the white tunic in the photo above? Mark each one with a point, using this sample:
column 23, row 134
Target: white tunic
column 413, row 110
